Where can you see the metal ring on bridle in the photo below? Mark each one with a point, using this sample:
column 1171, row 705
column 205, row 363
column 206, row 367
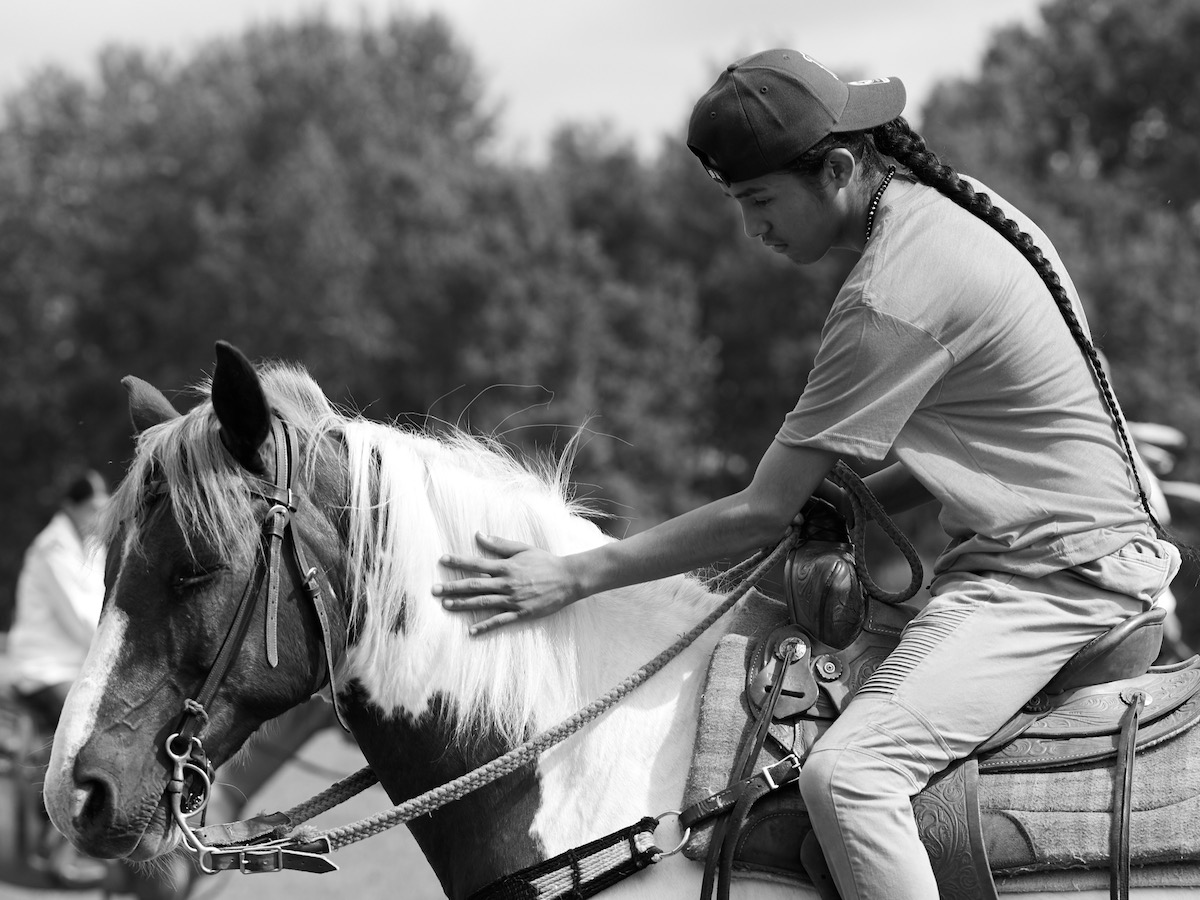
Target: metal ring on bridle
column 687, row 834
column 204, row 794
column 185, row 754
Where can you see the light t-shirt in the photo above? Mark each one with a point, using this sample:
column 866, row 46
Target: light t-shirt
column 59, row 594
column 945, row 346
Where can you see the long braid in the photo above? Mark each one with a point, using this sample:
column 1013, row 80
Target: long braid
column 897, row 140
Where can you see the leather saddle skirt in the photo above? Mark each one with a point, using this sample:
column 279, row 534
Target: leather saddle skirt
column 1037, row 798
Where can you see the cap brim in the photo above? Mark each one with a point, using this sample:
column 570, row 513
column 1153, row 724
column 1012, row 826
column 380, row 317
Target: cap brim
column 872, row 103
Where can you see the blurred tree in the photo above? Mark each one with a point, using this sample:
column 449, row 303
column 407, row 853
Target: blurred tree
column 327, row 195
column 324, row 195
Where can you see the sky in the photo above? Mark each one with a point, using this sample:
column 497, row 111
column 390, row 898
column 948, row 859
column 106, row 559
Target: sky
column 635, row 66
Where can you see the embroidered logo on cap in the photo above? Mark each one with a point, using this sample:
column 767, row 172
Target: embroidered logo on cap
column 817, row 63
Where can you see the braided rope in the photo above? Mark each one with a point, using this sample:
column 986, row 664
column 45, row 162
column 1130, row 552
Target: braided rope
column 332, row 796
column 519, row 756
column 866, row 506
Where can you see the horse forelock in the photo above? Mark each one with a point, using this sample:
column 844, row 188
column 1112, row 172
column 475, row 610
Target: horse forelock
column 184, row 459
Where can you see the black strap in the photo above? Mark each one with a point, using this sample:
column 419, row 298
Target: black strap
column 277, row 523
column 521, row 885
column 253, row 860
column 754, row 792
column 752, row 746
column 776, row 775
column 311, row 587
column 192, row 723
column 244, row 833
column 1122, row 805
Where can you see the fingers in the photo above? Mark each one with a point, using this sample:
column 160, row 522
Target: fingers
column 473, row 599
column 497, row 621
column 492, row 567
column 500, row 546
column 489, row 587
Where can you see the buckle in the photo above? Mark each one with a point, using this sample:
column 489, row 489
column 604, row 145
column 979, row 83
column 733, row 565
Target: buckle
column 783, row 772
column 257, row 860
column 268, row 860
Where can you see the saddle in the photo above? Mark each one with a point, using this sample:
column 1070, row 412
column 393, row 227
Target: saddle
column 787, row 670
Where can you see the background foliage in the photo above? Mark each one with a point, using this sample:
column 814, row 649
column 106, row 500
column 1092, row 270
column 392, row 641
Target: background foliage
column 330, row 195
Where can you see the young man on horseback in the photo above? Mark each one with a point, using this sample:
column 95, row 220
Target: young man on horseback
column 958, row 345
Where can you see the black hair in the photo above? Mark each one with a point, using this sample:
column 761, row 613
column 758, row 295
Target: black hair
column 82, row 485
column 897, row 140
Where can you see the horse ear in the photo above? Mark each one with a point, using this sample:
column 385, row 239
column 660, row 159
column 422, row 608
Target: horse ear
column 147, row 405
column 241, row 406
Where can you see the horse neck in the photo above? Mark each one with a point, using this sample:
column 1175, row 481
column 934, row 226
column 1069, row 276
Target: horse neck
column 631, row 762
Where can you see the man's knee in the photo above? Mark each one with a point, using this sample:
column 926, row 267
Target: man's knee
column 845, row 776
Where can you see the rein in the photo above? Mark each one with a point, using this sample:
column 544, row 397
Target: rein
column 270, row 843
column 273, row 842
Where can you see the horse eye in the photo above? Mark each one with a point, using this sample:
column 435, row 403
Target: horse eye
column 194, row 577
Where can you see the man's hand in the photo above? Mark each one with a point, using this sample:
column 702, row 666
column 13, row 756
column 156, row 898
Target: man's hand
column 523, row 583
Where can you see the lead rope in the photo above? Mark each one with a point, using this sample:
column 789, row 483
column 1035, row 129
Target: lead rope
column 519, row 756
column 285, row 835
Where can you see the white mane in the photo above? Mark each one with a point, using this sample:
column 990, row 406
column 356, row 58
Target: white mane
column 434, row 495
column 414, row 497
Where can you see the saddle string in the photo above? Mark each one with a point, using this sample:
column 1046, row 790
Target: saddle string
column 866, row 506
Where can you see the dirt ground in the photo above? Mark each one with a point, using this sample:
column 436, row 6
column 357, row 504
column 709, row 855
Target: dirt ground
column 386, row 865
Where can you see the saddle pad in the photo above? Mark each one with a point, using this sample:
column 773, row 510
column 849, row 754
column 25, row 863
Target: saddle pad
column 1040, row 822
column 725, row 717
column 1062, row 818
column 1183, row 875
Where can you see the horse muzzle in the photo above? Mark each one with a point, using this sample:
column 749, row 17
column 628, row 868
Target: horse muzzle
column 89, row 805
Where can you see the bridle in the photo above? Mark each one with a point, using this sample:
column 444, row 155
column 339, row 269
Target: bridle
column 270, row 843
column 191, row 777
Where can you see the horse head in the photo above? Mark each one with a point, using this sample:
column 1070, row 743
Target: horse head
column 209, row 627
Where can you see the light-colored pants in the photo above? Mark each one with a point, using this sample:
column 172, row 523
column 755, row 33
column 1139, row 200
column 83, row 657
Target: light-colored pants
column 983, row 646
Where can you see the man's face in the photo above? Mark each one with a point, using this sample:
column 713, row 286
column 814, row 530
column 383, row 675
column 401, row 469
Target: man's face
column 791, row 214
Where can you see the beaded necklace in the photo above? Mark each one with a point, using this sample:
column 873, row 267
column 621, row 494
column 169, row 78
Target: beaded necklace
column 875, row 200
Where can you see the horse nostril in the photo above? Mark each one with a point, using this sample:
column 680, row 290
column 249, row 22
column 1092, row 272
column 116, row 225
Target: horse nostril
column 91, row 800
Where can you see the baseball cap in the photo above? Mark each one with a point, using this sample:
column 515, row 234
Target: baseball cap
column 768, row 108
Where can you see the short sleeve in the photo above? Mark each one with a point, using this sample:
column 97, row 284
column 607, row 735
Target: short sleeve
column 871, row 372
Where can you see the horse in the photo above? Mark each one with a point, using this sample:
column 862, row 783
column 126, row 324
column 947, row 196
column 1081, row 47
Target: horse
column 374, row 507
column 35, row 856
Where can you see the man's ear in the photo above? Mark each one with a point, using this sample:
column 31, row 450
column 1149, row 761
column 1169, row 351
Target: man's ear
column 840, row 166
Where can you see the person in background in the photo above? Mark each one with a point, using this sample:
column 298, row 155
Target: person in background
column 59, row 593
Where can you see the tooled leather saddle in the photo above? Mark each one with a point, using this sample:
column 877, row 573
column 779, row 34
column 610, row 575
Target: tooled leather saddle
column 798, row 671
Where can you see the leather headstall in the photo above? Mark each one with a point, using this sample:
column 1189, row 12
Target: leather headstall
column 184, row 745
